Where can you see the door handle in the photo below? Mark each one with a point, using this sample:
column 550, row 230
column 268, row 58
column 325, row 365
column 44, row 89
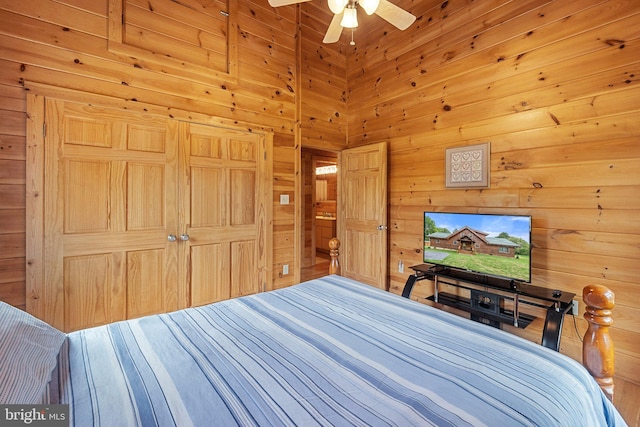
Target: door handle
column 172, row 237
column 382, row 227
column 184, row 237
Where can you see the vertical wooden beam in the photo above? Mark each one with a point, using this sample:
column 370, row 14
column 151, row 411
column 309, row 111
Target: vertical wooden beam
column 35, row 298
column 116, row 21
column 264, row 219
column 298, row 241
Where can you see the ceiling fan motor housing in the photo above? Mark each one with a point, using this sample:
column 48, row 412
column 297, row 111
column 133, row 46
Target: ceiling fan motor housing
column 345, row 15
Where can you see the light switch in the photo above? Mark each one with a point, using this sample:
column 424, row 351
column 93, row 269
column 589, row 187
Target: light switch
column 284, row 199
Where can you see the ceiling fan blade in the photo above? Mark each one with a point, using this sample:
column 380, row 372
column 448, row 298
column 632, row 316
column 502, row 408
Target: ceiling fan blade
column 276, row 3
column 334, row 30
column 395, row 15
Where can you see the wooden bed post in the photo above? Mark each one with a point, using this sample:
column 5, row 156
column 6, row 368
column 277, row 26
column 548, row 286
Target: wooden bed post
column 597, row 347
column 334, row 266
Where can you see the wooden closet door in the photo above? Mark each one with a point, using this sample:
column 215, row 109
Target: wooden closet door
column 110, row 203
column 225, row 185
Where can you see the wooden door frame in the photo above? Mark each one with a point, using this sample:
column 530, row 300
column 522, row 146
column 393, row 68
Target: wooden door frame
column 300, row 204
column 340, row 231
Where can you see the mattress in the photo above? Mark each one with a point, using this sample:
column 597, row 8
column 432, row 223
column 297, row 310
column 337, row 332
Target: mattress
column 330, row 351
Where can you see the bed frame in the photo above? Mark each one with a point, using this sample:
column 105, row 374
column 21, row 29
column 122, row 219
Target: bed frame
column 597, row 344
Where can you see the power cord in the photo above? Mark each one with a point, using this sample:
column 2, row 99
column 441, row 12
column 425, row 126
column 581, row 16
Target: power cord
column 575, row 325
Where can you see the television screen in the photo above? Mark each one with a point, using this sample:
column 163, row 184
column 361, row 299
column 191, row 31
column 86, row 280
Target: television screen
column 493, row 245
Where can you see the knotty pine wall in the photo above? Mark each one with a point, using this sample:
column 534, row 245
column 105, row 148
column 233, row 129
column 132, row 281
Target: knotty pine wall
column 551, row 84
column 65, row 44
column 554, row 86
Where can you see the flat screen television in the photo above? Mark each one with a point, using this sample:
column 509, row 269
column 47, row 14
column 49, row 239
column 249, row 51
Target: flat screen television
column 486, row 244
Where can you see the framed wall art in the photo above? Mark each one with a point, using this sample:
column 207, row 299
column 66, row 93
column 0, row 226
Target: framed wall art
column 468, row 166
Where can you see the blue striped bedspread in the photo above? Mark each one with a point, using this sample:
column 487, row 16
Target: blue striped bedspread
column 327, row 352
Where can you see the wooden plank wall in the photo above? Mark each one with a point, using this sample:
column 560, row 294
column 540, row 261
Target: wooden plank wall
column 322, row 125
column 554, row 86
column 65, row 44
column 323, row 79
column 323, row 120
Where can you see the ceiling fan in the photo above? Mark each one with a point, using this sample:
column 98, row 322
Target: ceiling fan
column 345, row 15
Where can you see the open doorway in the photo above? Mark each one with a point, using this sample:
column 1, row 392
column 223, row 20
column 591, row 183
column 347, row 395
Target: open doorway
column 319, row 211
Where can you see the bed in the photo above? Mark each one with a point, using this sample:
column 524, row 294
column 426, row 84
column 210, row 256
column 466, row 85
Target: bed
column 330, row 351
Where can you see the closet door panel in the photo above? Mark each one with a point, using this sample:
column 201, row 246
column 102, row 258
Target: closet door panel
column 242, row 200
column 243, row 278
column 87, row 200
column 93, row 290
column 146, row 282
column 132, row 214
column 111, row 203
column 210, row 202
column 220, row 180
column 146, row 205
column 210, row 271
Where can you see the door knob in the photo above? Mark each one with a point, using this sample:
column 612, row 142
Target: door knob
column 172, row 237
column 184, row 237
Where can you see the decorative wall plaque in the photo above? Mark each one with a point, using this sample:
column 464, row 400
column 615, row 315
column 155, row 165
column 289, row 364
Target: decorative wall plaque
column 467, row 167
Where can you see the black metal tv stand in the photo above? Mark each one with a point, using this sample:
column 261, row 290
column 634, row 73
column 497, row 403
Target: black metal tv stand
column 488, row 295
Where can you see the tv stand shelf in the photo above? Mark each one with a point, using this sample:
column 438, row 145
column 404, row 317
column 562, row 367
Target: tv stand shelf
column 492, row 319
column 494, row 300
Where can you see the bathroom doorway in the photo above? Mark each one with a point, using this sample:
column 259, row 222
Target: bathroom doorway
column 319, row 213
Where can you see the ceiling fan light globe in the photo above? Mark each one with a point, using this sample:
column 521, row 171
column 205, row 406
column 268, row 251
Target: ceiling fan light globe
column 369, row 6
column 349, row 18
column 337, row 6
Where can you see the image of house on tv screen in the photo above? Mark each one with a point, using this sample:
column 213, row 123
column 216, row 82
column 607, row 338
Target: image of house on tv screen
column 498, row 245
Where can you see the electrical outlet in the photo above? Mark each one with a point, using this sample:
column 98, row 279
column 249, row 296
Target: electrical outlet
column 574, row 309
column 285, row 269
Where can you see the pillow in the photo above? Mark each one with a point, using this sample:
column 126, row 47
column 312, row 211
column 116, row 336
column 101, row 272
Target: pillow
column 28, row 354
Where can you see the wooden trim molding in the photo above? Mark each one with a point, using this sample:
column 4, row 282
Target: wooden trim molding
column 106, row 101
column 35, row 204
